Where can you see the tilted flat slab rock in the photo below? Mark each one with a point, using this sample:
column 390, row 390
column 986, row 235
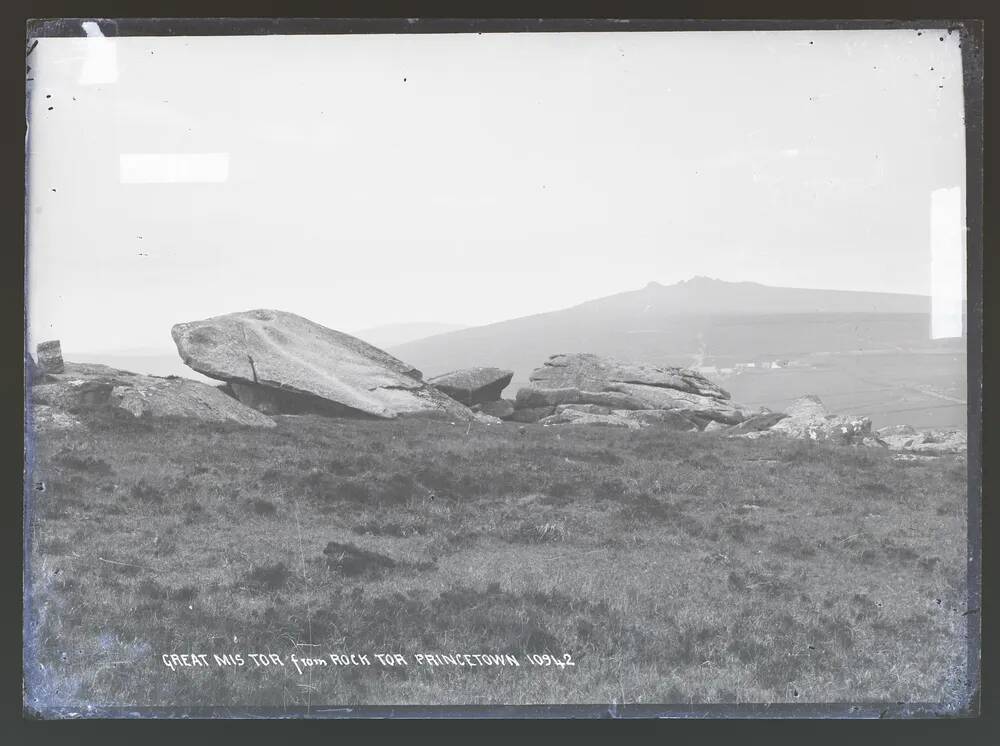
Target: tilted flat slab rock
column 92, row 387
column 280, row 350
column 473, row 385
column 593, row 379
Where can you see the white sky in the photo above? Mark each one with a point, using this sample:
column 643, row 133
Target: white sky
column 377, row 179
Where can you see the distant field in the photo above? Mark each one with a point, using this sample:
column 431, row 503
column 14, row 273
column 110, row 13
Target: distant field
column 923, row 389
column 673, row 567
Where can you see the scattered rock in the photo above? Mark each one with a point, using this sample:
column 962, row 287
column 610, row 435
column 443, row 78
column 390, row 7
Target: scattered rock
column 714, row 426
column 282, row 351
column 473, row 385
column 50, row 358
column 928, row 442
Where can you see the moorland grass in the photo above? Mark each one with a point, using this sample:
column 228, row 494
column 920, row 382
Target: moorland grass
column 674, row 568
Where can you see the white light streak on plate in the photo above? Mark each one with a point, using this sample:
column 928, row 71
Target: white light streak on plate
column 173, row 168
column 947, row 263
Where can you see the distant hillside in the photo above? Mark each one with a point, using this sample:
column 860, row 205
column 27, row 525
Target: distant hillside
column 698, row 322
column 716, row 324
column 390, row 335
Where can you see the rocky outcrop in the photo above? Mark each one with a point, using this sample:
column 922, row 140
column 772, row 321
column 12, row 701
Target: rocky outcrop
column 592, row 379
column 50, row 359
column 473, row 385
column 282, row 352
column 180, row 397
column 925, row 442
column 81, row 388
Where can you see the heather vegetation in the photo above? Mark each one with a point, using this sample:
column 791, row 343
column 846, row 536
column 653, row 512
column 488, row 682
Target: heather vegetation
column 672, row 567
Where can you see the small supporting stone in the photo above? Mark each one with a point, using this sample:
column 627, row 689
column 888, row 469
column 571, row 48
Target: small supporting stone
column 50, row 358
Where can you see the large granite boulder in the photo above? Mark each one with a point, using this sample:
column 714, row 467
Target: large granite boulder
column 279, row 351
column 592, row 379
column 83, row 387
column 473, row 385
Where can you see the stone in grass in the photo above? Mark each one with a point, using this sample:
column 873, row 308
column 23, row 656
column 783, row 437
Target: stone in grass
column 351, row 560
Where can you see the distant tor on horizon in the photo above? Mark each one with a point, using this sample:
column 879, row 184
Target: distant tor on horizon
column 686, row 324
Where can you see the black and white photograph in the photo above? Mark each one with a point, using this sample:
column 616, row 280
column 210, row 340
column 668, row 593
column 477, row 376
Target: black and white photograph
column 618, row 368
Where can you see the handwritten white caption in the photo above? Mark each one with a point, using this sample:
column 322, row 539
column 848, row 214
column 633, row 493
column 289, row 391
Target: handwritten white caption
column 175, row 661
